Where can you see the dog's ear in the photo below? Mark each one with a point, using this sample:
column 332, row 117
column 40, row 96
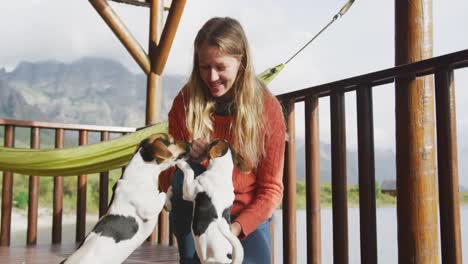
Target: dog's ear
column 218, row 148
column 160, row 151
column 155, row 147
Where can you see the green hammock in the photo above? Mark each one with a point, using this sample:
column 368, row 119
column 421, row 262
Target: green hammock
column 86, row 159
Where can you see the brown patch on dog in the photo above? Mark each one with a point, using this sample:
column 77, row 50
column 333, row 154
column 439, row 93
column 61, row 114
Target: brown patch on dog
column 161, row 151
column 219, row 148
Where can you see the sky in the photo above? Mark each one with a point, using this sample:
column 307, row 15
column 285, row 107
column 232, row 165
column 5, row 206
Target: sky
column 360, row 42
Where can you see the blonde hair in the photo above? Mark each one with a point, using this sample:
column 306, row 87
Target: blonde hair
column 247, row 128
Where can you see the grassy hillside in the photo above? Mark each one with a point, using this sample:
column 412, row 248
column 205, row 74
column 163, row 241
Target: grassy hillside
column 382, row 199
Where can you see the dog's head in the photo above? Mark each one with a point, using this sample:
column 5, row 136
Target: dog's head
column 219, row 148
column 163, row 149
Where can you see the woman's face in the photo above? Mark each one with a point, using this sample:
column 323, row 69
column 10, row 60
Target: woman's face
column 218, row 70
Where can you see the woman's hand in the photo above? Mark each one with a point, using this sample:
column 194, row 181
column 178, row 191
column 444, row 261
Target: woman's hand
column 199, row 149
column 236, row 228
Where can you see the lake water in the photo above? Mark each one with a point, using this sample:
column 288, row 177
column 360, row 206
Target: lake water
column 386, row 235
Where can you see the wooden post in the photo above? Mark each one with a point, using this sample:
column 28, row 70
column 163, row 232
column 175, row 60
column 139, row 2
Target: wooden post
column 312, row 155
column 81, row 196
column 415, row 148
column 33, row 202
column 447, row 160
column 339, row 178
column 58, row 194
column 289, row 198
column 154, row 97
column 7, row 192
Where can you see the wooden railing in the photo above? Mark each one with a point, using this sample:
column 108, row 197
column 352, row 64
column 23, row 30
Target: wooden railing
column 33, row 201
column 442, row 68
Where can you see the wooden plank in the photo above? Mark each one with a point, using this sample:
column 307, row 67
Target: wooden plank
column 45, row 254
column 448, row 168
column 7, row 192
column 339, row 184
column 366, row 157
column 312, row 158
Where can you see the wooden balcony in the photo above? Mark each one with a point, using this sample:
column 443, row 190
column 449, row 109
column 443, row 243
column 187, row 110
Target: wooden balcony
column 442, row 68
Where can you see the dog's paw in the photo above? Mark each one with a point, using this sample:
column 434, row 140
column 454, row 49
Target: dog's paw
column 168, row 203
column 183, row 165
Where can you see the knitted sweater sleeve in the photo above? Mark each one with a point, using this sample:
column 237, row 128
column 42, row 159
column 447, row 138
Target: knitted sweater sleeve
column 178, row 130
column 269, row 174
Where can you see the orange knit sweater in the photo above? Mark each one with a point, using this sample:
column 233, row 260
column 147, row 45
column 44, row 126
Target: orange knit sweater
column 258, row 192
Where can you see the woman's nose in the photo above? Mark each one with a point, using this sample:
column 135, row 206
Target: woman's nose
column 214, row 76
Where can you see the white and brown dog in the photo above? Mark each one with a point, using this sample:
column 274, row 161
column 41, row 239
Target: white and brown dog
column 135, row 205
column 212, row 193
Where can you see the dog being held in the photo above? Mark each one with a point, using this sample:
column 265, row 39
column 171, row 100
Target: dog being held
column 212, row 193
column 135, row 205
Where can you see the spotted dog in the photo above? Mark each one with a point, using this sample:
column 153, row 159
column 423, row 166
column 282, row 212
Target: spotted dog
column 212, row 193
column 135, row 205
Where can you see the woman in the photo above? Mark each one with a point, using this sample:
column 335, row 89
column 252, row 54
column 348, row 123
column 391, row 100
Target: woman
column 224, row 99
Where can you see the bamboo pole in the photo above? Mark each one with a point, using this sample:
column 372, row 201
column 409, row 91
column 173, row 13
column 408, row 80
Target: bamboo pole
column 415, row 148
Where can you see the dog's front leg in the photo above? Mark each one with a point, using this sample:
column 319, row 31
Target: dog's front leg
column 168, row 203
column 190, row 186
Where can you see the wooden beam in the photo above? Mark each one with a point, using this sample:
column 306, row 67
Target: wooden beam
column 415, row 129
column 168, row 34
column 123, row 34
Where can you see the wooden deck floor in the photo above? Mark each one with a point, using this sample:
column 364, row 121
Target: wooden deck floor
column 47, row 254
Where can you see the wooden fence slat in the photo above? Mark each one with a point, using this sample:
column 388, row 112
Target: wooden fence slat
column 81, row 196
column 289, row 198
column 33, row 203
column 339, row 184
column 7, row 192
column 58, row 195
column 366, row 161
column 312, row 157
column 103, row 183
column 448, row 168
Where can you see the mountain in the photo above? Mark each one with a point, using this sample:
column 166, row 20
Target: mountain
column 102, row 91
column 87, row 91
